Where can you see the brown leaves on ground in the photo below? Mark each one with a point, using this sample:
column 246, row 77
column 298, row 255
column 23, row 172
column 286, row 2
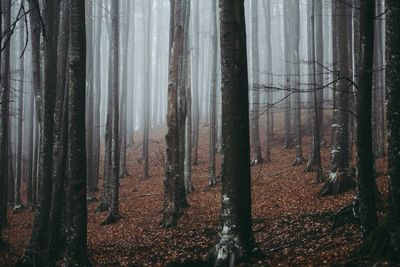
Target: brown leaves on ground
column 292, row 225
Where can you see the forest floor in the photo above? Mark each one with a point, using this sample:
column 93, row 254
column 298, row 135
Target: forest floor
column 292, row 226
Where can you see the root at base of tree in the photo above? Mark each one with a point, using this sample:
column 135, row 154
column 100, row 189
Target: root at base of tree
column 18, row 209
column 214, row 181
column 256, row 162
column 347, row 214
column 298, row 161
column 170, row 218
column 91, row 197
column 378, row 246
column 338, row 183
column 102, row 207
column 112, row 218
column 229, row 253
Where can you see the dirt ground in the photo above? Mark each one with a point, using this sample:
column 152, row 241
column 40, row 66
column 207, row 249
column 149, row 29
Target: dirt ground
column 292, row 226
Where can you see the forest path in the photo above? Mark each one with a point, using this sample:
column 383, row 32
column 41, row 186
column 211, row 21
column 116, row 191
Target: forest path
column 290, row 222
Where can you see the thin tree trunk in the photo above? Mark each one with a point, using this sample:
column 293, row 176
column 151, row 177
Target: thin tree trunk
column 255, row 112
column 18, row 173
column 213, row 97
column 113, row 215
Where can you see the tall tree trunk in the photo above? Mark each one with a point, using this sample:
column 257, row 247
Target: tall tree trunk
column 5, row 119
column 314, row 162
column 76, row 253
column 106, row 194
column 196, row 80
column 299, row 159
column 255, row 112
column 91, row 186
column 37, row 248
column 186, row 95
column 18, row 173
column 124, row 89
column 213, row 97
column 235, row 237
column 393, row 123
column 268, row 136
column 365, row 158
column 319, row 71
column 56, row 237
column 173, row 201
column 113, row 215
column 147, row 88
column 35, row 31
column 97, row 92
column 288, row 140
column 339, row 180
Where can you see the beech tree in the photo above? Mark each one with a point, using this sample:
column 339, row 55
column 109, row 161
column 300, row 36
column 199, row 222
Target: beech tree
column 76, row 252
column 113, row 214
column 5, row 105
column 174, row 190
column 339, row 178
column 235, row 236
column 37, row 249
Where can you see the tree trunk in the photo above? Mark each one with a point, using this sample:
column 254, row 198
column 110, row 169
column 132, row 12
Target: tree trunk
column 213, row 101
column 56, row 237
column 5, row 119
column 339, row 180
column 393, row 124
column 196, row 81
column 97, row 93
column 255, row 112
column 314, row 162
column 365, row 158
column 37, row 248
column 91, row 186
column 147, row 88
column 235, row 237
column 268, row 139
column 173, row 201
column 76, row 253
column 299, row 159
column 113, row 215
column 18, row 173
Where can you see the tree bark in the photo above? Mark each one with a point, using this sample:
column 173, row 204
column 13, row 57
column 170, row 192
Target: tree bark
column 5, row 119
column 173, row 201
column 255, row 112
column 393, row 124
column 76, row 253
column 235, row 237
column 113, row 215
column 365, row 157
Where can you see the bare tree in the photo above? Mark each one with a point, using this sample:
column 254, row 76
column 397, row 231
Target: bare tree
column 235, row 236
column 18, row 172
column 314, row 162
column 213, row 104
column 37, row 248
column 255, row 112
column 174, row 193
column 148, row 86
column 113, row 215
column 4, row 121
column 76, row 252
column 339, row 179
